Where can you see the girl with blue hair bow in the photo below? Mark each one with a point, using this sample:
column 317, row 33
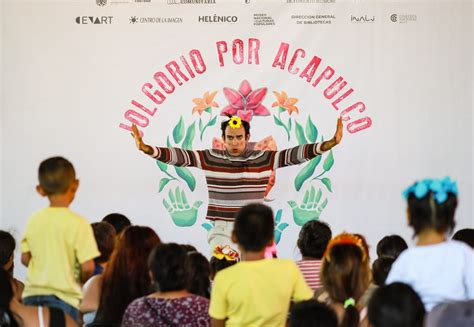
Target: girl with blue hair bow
column 439, row 270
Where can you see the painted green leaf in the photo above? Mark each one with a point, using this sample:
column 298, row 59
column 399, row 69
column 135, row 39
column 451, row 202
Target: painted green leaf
column 281, row 109
column 212, row 122
column 328, row 162
column 290, row 124
column 206, row 226
column 306, row 172
column 162, row 165
column 311, row 130
column 282, row 226
column 277, row 120
column 200, row 125
column 189, row 138
column 300, row 134
column 168, row 143
column 278, row 216
column 187, row 176
column 178, row 131
column 163, row 183
column 208, row 110
column 326, row 181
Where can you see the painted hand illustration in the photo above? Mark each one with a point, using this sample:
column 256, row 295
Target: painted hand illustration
column 279, row 227
column 310, row 208
column 182, row 214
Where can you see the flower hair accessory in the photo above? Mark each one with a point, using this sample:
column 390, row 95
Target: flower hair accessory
column 225, row 252
column 235, row 122
column 346, row 238
column 439, row 187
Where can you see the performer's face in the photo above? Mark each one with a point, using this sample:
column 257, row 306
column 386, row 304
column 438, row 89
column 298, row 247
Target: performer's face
column 235, row 140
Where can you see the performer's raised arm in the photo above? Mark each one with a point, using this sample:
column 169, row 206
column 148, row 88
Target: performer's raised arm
column 302, row 153
column 172, row 156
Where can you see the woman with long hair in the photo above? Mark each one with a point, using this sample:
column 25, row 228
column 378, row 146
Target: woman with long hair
column 126, row 276
column 14, row 314
column 346, row 275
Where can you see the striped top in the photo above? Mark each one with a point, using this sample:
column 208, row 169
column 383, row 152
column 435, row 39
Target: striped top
column 311, row 270
column 234, row 181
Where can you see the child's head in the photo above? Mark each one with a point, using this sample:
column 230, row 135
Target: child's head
column 222, row 258
column 396, row 305
column 380, row 269
column 7, row 294
column 314, row 238
column 432, row 204
column 254, row 227
column 118, row 221
column 7, row 246
column 56, row 176
column 345, row 273
column 200, row 274
column 105, row 238
column 312, row 313
column 391, row 246
column 465, row 235
column 168, row 264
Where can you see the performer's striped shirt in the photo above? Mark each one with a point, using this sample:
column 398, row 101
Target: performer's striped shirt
column 234, row 181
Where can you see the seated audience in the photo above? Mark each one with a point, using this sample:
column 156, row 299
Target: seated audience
column 396, row 305
column 465, row 235
column 312, row 313
column 125, row 278
column 439, row 270
column 14, row 314
column 256, row 291
column 346, row 276
column 312, row 242
column 172, row 305
column 105, row 237
column 391, row 246
column 7, row 256
column 118, row 221
column 200, row 275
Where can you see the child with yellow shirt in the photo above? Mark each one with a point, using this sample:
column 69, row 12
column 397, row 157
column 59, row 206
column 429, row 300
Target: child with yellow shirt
column 256, row 291
column 55, row 241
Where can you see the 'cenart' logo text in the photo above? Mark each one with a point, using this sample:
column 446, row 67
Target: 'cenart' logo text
column 85, row 20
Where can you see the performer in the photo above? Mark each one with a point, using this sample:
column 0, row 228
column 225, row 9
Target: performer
column 235, row 176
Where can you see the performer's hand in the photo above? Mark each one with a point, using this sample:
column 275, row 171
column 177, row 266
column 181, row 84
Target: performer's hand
column 338, row 135
column 139, row 142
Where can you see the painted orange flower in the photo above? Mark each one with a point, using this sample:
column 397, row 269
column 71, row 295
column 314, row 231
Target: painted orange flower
column 284, row 102
column 206, row 103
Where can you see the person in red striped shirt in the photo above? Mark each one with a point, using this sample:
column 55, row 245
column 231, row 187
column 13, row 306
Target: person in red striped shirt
column 312, row 242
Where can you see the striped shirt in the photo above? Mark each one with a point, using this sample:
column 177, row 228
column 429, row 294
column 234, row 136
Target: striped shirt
column 311, row 271
column 234, row 181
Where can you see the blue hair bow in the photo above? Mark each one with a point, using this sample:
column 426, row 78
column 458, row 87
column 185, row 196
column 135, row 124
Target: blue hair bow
column 439, row 187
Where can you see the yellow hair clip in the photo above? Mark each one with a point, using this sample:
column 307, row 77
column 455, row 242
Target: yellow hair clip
column 235, row 122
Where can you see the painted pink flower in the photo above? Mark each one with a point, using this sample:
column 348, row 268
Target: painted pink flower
column 245, row 102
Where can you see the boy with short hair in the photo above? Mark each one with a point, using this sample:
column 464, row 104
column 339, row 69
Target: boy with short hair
column 256, row 291
column 56, row 240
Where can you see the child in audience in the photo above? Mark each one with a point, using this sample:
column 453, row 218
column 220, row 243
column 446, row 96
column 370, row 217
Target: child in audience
column 14, row 314
column 396, row 305
column 312, row 242
column 105, row 236
column 311, row 313
column 256, row 291
column 465, row 235
column 345, row 275
column 125, row 279
column 172, row 305
column 222, row 258
column 7, row 249
column 55, row 240
column 437, row 269
column 391, row 246
column 200, row 275
column 118, row 221
column 380, row 269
